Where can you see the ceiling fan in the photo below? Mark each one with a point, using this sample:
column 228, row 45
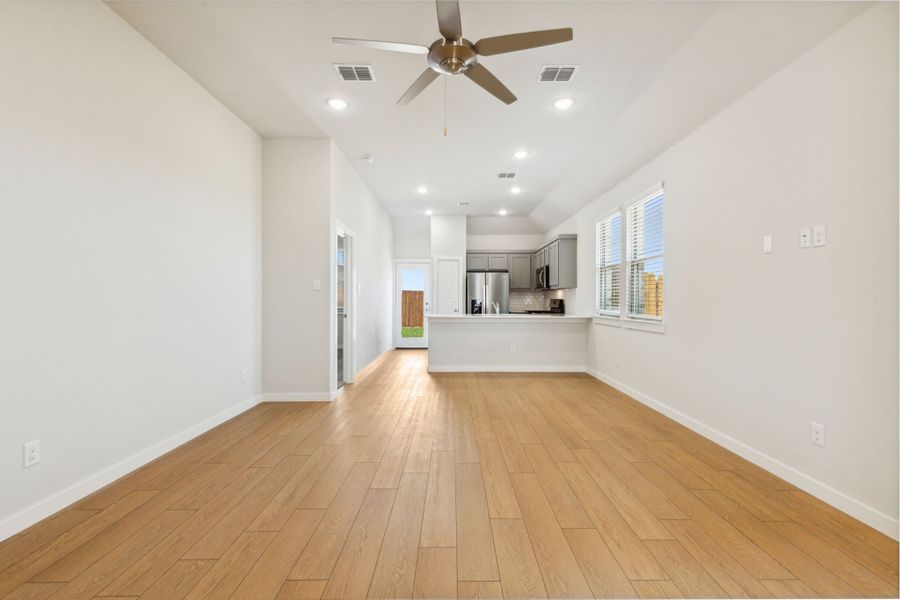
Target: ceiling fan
column 452, row 54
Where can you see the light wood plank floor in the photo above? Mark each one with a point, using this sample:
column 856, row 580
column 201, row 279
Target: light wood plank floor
column 454, row 485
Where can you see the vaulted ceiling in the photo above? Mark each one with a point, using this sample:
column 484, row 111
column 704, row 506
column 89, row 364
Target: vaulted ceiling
column 650, row 73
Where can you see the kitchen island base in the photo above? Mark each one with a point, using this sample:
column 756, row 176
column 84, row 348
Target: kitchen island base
column 507, row 343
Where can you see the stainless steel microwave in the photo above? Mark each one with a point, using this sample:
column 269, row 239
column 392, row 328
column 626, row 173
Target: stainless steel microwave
column 542, row 278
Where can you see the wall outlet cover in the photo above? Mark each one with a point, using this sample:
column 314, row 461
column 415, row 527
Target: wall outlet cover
column 817, row 434
column 767, row 244
column 818, row 235
column 805, row 237
column 31, row 452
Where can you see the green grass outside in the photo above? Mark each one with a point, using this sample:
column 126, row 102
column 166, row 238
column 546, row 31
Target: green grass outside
column 412, row 332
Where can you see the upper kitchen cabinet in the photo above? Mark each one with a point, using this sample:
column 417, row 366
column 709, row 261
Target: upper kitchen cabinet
column 520, row 273
column 553, row 261
column 476, row 262
column 559, row 256
column 562, row 259
column 498, row 262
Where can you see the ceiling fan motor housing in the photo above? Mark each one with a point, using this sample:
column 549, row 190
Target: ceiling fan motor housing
column 451, row 57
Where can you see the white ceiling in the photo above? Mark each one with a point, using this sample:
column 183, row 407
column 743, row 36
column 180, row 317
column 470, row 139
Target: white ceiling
column 650, row 74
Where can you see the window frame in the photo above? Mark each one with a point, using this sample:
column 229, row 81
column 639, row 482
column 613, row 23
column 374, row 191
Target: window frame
column 623, row 319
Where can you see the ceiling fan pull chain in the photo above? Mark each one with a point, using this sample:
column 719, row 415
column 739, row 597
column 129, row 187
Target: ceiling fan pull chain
column 445, row 106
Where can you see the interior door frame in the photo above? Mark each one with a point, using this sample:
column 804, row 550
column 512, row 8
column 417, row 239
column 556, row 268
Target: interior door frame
column 349, row 340
column 395, row 330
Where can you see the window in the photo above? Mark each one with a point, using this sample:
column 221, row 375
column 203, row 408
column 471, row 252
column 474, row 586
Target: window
column 609, row 265
column 634, row 233
column 645, row 257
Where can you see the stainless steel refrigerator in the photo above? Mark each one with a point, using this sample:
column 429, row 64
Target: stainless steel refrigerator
column 487, row 293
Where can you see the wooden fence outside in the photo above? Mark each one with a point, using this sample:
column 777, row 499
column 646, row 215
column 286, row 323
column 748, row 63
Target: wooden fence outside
column 412, row 307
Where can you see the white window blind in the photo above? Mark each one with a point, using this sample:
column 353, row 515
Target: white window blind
column 609, row 265
column 644, row 260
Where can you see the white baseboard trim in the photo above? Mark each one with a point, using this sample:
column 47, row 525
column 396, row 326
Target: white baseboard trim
column 43, row 509
column 853, row 507
column 505, row 369
column 300, row 396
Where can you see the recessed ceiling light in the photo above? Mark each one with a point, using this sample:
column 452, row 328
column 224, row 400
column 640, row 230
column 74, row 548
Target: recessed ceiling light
column 502, row 212
column 515, row 190
column 564, row 103
column 428, row 212
column 520, row 154
column 422, row 189
column 338, row 103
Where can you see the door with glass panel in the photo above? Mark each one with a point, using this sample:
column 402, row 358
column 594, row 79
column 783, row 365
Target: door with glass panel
column 411, row 302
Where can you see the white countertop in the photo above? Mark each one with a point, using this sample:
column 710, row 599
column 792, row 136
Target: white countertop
column 508, row 317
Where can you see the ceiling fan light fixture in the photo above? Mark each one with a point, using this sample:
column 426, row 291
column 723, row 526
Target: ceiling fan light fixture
column 564, row 103
column 422, row 189
column 453, row 54
column 338, row 103
column 502, row 212
column 515, row 189
column 520, row 154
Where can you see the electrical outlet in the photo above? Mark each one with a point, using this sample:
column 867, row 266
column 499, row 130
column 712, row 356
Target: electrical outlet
column 817, row 434
column 31, row 452
column 818, row 238
column 805, row 237
column 243, row 375
column 512, row 349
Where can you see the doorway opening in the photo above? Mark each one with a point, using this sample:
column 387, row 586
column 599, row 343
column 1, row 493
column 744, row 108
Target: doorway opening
column 411, row 302
column 344, row 308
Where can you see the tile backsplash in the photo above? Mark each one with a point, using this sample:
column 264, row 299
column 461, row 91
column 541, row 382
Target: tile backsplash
column 520, row 301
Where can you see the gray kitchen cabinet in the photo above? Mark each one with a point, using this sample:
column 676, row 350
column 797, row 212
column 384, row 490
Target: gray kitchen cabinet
column 476, row 262
column 560, row 255
column 520, row 273
column 498, row 262
column 564, row 261
column 553, row 261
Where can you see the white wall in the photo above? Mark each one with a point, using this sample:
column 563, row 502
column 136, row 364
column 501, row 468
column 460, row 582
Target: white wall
column 509, row 241
column 355, row 207
column 412, row 237
column 448, row 236
column 297, row 225
column 129, row 254
column 758, row 346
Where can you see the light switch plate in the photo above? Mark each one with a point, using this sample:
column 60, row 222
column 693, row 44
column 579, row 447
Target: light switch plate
column 767, row 244
column 317, row 284
column 805, row 237
column 818, row 237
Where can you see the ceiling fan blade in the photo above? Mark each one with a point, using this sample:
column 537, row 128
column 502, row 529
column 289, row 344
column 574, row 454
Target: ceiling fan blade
column 480, row 75
column 418, row 85
column 449, row 22
column 522, row 41
column 390, row 46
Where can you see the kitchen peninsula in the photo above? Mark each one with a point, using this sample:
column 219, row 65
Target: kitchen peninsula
column 507, row 342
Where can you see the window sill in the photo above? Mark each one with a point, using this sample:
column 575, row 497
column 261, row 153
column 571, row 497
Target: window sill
column 651, row 326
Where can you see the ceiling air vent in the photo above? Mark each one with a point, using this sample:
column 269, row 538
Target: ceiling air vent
column 557, row 73
column 463, row 204
column 355, row 72
column 506, row 175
